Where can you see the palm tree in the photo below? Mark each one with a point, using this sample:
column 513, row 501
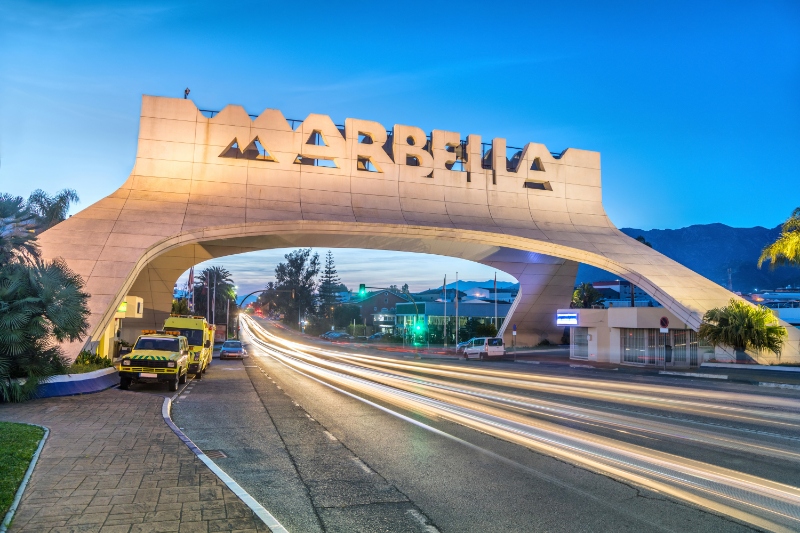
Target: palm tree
column 786, row 249
column 17, row 231
column 742, row 326
column 218, row 282
column 50, row 210
column 585, row 296
column 41, row 304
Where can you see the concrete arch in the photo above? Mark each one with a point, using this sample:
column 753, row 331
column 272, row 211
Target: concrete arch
column 199, row 190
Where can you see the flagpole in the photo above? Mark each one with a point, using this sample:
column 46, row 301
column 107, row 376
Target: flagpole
column 445, row 310
column 457, row 324
column 495, row 300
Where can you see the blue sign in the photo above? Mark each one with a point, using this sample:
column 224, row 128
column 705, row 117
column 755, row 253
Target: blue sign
column 566, row 319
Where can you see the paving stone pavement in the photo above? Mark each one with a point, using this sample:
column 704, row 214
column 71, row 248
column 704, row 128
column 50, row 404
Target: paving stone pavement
column 112, row 465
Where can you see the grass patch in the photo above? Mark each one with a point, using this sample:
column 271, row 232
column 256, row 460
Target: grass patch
column 18, row 443
column 83, row 369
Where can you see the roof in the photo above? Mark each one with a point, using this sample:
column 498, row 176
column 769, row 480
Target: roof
column 378, row 293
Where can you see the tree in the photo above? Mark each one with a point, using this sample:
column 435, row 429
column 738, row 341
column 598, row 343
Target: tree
column 268, row 299
column 404, row 288
column 50, row 210
column 644, row 241
column 180, row 307
column 17, row 231
column 586, row 296
column 786, row 249
column 742, row 326
column 343, row 315
column 297, row 274
column 328, row 286
column 214, row 282
column 41, row 304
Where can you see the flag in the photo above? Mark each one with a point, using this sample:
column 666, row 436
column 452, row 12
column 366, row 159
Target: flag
column 190, row 289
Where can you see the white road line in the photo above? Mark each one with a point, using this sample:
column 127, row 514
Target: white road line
column 416, row 515
column 265, row 516
column 330, row 435
column 362, row 465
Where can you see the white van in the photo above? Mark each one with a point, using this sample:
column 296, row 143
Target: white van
column 482, row 348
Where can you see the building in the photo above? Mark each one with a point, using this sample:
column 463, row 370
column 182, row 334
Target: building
column 617, row 293
column 785, row 303
column 377, row 301
column 437, row 295
column 384, row 320
column 431, row 317
column 633, row 336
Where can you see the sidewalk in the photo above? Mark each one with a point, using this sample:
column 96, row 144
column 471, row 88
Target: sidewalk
column 112, row 465
column 752, row 376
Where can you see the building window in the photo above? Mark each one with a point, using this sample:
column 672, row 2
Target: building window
column 579, row 347
column 679, row 348
column 633, row 345
column 375, row 308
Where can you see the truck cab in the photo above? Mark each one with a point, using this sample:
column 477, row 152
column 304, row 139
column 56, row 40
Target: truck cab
column 200, row 335
column 156, row 357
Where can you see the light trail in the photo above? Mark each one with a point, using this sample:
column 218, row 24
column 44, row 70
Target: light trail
column 761, row 502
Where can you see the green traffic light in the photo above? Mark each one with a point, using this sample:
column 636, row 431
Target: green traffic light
column 362, row 289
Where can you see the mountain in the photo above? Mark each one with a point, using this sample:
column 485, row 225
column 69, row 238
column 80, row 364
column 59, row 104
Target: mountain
column 710, row 250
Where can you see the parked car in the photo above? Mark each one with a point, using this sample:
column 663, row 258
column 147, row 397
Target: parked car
column 482, row 348
column 232, row 350
column 336, row 336
column 377, row 336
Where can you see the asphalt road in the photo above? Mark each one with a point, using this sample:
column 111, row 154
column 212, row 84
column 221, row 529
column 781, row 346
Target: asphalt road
column 321, row 460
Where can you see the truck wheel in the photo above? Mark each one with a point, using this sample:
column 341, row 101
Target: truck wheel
column 124, row 383
column 182, row 379
column 199, row 375
column 173, row 385
column 483, row 357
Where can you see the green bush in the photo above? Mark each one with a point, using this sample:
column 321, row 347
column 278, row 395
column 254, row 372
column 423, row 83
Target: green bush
column 88, row 358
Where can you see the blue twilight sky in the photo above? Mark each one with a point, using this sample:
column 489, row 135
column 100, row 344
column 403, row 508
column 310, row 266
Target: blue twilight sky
column 695, row 106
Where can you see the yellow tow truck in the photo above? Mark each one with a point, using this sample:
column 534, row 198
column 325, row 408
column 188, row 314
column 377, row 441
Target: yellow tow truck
column 200, row 335
column 156, row 357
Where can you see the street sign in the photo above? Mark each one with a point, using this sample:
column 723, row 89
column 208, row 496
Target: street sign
column 664, row 325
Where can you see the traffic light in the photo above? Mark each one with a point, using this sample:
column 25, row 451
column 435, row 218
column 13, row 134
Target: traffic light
column 362, row 290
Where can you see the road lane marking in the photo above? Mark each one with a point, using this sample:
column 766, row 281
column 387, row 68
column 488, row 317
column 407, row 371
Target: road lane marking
column 423, row 521
column 258, row 509
column 512, row 434
column 330, row 435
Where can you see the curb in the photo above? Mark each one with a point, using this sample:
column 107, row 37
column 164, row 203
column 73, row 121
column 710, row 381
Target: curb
column 691, row 374
column 18, row 496
column 270, row 521
column 74, row 384
column 778, row 385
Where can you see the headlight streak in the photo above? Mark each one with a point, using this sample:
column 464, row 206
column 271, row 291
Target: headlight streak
column 680, row 477
column 595, row 389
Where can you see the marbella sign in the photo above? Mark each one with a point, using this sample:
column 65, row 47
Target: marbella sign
column 318, row 142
